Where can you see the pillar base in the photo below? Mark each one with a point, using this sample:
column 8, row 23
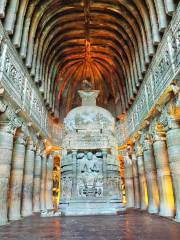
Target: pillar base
column 3, row 222
column 166, row 214
column 27, row 214
column 143, row 208
column 15, row 217
column 37, row 210
column 177, row 219
column 153, row 210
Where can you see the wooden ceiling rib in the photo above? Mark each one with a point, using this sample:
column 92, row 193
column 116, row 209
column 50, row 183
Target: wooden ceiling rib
column 109, row 42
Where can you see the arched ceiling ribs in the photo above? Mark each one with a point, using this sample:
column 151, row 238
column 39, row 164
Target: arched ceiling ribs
column 110, row 42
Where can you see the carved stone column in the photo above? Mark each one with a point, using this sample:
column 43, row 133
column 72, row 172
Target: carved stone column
column 49, row 182
column 37, row 181
column 136, row 181
column 164, row 177
column 151, row 177
column 173, row 145
column 129, row 185
column 74, row 181
column 15, row 192
column 142, row 178
column 28, row 180
column 43, row 180
column 6, row 147
column 105, row 188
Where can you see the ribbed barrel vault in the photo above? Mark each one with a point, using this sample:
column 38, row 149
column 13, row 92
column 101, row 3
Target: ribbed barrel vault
column 109, row 42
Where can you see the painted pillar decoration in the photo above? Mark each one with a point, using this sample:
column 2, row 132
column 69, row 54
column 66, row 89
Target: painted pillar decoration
column 90, row 169
column 8, row 124
column 151, row 176
column 17, row 168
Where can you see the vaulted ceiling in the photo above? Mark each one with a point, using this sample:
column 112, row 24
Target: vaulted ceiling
column 108, row 42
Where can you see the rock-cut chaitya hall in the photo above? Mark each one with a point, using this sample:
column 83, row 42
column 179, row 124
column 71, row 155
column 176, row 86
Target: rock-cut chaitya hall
column 90, row 119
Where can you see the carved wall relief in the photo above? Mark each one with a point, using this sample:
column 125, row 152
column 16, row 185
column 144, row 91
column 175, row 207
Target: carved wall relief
column 90, row 176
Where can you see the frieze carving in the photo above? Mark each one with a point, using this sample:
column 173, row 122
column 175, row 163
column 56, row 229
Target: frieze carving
column 18, row 84
column 176, row 46
column 161, row 73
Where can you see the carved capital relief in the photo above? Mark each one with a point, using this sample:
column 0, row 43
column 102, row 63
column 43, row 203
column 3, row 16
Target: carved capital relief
column 127, row 160
column 148, row 141
column 139, row 150
column 44, row 156
column 20, row 138
column 134, row 157
column 170, row 117
column 156, row 130
column 3, row 106
column 9, row 121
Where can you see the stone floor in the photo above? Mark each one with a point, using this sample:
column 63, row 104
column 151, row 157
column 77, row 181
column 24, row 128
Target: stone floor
column 133, row 225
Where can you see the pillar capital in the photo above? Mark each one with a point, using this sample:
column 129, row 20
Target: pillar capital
column 139, row 150
column 20, row 137
column 127, row 160
column 170, row 117
column 30, row 145
column 3, row 106
column 9, row 119
column 10, row 123
column 147, row 145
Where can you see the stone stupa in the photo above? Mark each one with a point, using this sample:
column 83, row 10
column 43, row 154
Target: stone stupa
column 90, row 171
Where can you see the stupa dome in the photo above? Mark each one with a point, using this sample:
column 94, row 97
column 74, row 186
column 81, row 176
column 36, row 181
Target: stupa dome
column 89, row 116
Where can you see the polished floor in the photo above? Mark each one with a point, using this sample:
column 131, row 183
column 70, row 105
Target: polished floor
column 133, row 225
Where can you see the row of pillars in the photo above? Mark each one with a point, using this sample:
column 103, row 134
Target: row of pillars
column 25, row 177
column 152, row 173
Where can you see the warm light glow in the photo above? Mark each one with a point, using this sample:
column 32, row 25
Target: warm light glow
column 50, row 148
column 145, row 192
column 169, row 192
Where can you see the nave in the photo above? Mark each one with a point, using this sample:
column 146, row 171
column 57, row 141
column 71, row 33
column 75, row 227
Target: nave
column 89, row 119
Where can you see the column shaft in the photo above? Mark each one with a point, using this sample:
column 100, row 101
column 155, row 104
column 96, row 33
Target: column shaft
column 37, row 182
column 129, row 185
column 105, row 177
column 136, row 182
column 142, row 183
column 173, row 144
column 164, row 179
column 49, row 183
column 151, row 177
column 15, row 193
column 74, row 181
column 28, row 181
column 43, row 180
column 6, row 146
